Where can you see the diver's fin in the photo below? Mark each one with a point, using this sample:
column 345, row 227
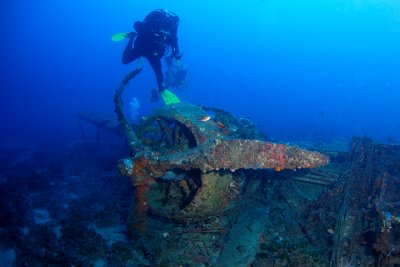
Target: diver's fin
column 119, row 36
column 169, row 98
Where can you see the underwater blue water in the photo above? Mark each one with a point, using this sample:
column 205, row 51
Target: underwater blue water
column 308, row 70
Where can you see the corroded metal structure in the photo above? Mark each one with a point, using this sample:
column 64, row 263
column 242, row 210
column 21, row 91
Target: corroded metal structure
column 368, row 218
column 185, row 159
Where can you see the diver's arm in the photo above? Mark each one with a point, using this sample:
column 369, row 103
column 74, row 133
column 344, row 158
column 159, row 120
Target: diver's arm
column 128, row 55
column 174, row 34
column 175, row 47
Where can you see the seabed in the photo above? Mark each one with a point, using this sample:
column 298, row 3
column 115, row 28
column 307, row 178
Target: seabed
column 197, row 186
column 69, row 206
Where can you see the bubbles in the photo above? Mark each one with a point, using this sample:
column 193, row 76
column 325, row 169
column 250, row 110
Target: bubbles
column 134, row 109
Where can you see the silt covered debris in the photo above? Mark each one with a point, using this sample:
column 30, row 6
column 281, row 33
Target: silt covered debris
column 209, row 190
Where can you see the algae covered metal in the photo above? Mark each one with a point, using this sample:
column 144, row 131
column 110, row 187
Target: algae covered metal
column 185, row 159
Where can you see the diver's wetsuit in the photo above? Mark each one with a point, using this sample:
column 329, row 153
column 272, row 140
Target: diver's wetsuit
column 155, row 35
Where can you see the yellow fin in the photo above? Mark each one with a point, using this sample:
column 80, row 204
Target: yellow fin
column 119, row 36
column 169, row 98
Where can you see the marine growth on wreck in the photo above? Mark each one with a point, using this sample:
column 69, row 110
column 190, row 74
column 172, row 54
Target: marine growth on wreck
column 232, row 198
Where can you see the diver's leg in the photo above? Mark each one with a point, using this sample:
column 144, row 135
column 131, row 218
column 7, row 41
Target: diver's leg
column 155, row 63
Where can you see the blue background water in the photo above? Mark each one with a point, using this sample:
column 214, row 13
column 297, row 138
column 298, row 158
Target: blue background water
column 312, row 69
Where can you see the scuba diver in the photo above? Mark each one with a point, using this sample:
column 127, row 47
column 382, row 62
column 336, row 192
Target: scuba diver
column 154, row 37
column 176, row 75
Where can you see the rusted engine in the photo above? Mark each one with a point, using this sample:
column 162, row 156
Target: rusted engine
column 186, row 160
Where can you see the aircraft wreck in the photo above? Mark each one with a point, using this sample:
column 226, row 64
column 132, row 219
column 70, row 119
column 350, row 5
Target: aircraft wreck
column 211, row 190
column 200, row 149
